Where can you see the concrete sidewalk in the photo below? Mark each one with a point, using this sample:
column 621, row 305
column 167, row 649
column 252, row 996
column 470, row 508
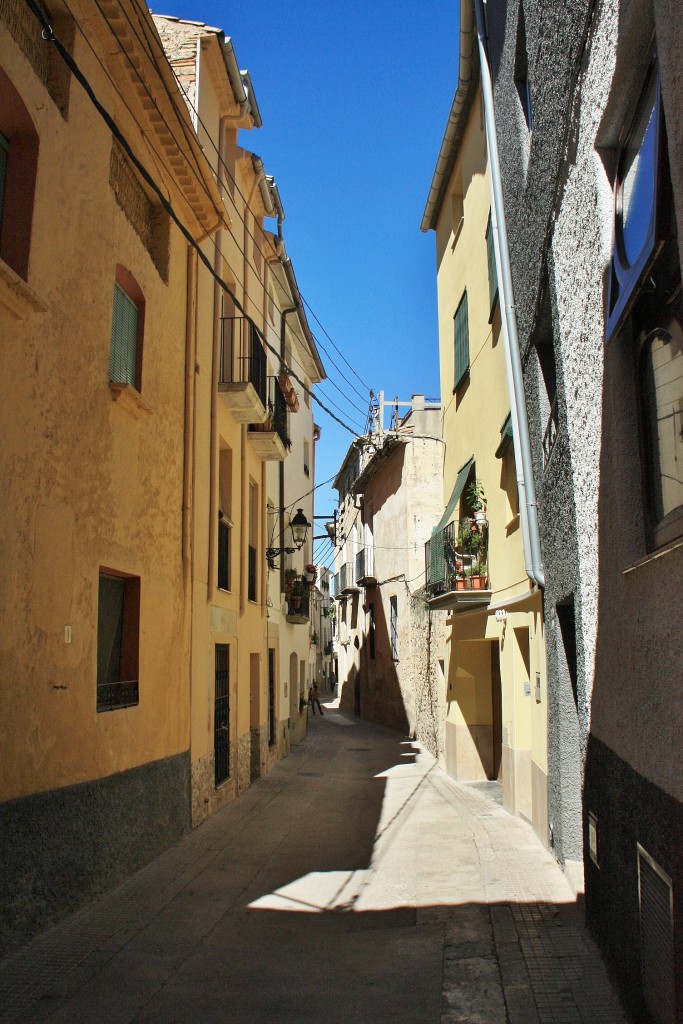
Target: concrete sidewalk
column 356, row 882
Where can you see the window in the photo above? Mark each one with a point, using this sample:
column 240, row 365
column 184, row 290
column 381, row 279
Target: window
column 125, row 353
column 253, row 541
column 18, row 166
column 371, row 629
column 491, row 260
column 118, row 635
column 221, row 714
column 393, row 605
column 637, row 207
column 462, row 342
column 457, row 208
column 224, row 518
column 661, row 384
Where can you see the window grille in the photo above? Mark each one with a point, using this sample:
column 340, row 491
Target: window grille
column 221, row 715
column 124, row 339
column 393, row 601
column 462, row 342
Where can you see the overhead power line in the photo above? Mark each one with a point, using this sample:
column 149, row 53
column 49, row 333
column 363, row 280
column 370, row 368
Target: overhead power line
column 50, row 36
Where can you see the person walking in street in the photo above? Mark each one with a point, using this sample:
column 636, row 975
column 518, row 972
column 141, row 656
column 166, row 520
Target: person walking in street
column 314, row 698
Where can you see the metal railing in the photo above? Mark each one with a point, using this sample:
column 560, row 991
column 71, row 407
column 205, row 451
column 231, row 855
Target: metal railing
column 365, row 564
column 347, row 577
column 298, row 596
column 123, row 694
column 456, row 558
column 276, row 419
column 242, row 356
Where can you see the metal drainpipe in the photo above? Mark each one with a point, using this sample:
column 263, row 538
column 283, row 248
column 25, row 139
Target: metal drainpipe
column 520, row 425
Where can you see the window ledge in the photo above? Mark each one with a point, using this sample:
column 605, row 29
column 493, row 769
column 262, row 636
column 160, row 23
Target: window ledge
column 652, row 557
column 16, row 296
column 129, row 399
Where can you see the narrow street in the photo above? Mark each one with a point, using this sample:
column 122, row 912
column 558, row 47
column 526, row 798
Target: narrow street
column 356, row 882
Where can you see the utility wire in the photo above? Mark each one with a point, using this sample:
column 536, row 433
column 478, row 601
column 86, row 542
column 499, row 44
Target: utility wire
column 195, row 168
column 50, row 36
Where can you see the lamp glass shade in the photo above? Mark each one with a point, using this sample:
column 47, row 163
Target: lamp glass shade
column 299, row 525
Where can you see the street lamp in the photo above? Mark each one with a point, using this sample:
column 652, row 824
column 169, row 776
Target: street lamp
column 299, row 525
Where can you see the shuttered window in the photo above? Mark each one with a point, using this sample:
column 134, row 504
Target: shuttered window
column 124, row 339
column 4, row 153
column 462, row 342
column 491, row 259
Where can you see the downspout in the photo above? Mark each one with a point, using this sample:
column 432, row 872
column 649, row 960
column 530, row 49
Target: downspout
column 513, row 362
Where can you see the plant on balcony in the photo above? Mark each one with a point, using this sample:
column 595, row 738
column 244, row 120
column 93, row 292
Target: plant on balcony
column 477, row 576
column 311, row 573
column 476, row 499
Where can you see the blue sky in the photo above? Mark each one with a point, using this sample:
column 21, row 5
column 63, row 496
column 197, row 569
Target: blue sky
column 354, row 99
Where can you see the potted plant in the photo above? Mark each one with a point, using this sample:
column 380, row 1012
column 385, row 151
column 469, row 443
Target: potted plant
column 476, row 499
column 311, row 573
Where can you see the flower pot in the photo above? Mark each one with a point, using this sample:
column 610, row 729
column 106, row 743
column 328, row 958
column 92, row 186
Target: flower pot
column 478, row 582
column 461, row 584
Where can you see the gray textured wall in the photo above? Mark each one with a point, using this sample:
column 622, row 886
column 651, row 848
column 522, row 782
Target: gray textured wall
column 61, row 848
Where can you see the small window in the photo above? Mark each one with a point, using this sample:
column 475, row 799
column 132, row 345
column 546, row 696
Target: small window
column 253, row 542
column 636, row 228
column 118, row 633
column 18, row 168
column 393, row 605
column 224, row 518
column 462, row 342
column 371, row 629
column 491, row 261
column 125, row 353
column 661, row 383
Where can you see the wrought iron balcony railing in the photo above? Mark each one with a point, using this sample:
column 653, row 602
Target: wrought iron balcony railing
column 365, row 566
column 456, row 559
column 242, row 357
column 298, row 597
column 347, row 578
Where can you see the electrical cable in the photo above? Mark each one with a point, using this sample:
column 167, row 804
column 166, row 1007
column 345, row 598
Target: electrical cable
column 49, row 36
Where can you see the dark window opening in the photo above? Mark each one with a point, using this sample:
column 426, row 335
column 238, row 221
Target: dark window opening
column 221, row 714
column 118, row 637
column 567, row 623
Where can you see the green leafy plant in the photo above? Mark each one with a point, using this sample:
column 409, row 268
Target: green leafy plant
column 475, row 497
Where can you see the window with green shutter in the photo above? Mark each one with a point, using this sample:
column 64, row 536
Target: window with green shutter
column 123, row 355
column 4, row 153
column 491, row 258
column 462, row 342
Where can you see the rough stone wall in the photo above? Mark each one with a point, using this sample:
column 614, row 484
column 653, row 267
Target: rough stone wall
column 612, row 741
column 243, row 762
column 427, row 638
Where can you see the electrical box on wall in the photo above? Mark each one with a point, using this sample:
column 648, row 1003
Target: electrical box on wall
column 538, row 687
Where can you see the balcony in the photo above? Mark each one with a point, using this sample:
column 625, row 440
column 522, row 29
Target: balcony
column 270, row 439
column 365, row 568
column 242, row 370
column 347, row 579
column 298, row 598
column 456, row 561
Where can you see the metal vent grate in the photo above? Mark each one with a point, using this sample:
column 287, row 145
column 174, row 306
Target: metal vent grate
column 656, row 938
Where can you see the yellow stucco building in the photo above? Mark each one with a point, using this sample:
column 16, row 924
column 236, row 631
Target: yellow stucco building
column 494, row 660
column 94, row 616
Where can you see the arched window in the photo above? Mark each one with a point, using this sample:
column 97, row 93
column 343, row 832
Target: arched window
column 18, row 166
